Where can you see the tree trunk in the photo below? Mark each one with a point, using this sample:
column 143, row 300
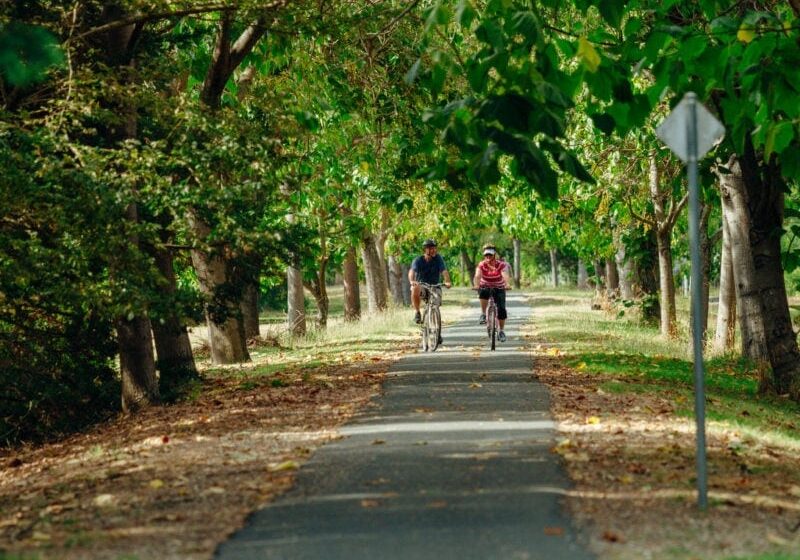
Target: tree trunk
column 583, row 276
column 599, row 272
column 646, row 273
column 726, row 308
column 554, row 267
column 223, row 316
column 468, row 265
column 134, row 336
column 137, row 363
column 663, row 239
column 765, row 188
column 377, row 290
column 406, row 284
column 352, row 296
column 250, row 309
column 296, row 302
column 748, row 300
column 612, row 278
column 396, row 280
column 173, row 348
column 624, row 269
column 517, row 263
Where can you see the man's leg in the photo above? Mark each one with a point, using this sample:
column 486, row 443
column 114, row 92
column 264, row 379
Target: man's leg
column 415, row 290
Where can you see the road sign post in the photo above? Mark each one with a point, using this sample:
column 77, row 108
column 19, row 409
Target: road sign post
column 690, row 131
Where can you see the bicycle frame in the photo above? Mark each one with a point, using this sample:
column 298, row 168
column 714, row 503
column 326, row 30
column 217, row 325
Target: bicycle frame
column 431, row 319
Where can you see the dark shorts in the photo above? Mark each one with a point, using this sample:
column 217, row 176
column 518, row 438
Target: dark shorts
column 499, row 299
column 424, row 292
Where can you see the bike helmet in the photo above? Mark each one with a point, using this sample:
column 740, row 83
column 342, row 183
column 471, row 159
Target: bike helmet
column 428, row 243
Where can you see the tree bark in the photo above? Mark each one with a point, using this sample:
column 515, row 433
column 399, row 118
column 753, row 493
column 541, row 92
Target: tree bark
column 751, row 315
column 583, row 275
column 599, row 272
column 352, row 296
column 612, row 278
column 396, row 280
column 406, row 284
column 173, row 347
column 377, row 289
column 223, row 316
column 517, row 244
column 554, row 267
column 296, row 302
column 726, row 308
column 765, row 188
column 646, row 273
column 468, row 266
column 624, row 269
column 663, row 239
column 250, row 308
column 137, row 363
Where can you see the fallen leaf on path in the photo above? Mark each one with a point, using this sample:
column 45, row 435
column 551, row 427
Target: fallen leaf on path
column 611, row 536
column 285, row 466
column 475, row 385
column 379, row 442
column 104, row 500
column 438, row 504
column 593, row 420
column 554, row 531
column 156, row 484
column 370, row 503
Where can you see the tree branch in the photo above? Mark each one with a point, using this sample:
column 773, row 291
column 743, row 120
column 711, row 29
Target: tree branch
column 144, row 18
column 676, row 211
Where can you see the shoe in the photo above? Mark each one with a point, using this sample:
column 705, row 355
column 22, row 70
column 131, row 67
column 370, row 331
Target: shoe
column 417, row 317
column 501, row 336
column 440, row 341
column 482, row 320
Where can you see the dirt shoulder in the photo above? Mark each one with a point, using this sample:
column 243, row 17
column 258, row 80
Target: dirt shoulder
column 173, row 481
column 632, row 461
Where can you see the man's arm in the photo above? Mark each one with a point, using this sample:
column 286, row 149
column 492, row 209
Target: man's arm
column 446, row 276
column 412, row 274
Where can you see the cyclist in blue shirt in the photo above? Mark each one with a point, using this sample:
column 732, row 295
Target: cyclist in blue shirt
column 427, row 268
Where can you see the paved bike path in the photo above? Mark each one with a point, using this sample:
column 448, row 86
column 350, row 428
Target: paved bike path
column 453, row 461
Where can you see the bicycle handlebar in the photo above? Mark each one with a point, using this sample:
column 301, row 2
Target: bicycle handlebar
column 426, row 285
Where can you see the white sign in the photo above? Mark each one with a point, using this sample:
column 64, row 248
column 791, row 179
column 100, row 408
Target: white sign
column 674, row 131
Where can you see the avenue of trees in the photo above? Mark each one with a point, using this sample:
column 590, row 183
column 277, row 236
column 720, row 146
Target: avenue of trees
column 162, row 162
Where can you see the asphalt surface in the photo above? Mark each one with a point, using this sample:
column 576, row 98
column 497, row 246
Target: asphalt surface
column 453, row 461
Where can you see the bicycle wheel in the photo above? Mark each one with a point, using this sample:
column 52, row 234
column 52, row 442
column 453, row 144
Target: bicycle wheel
column 424, row 330
column 434, row 328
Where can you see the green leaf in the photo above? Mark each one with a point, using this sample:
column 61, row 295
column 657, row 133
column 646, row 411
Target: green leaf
column 779, row 136
column 604, row 122
column 588, row 55
column 465, row 13
column 526, row 24
column 612, row 11
column 26, row 53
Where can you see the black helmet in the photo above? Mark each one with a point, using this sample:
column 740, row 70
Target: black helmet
column 429, row 243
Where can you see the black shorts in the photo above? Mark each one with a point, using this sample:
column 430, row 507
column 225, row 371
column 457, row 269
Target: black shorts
column 499, row 299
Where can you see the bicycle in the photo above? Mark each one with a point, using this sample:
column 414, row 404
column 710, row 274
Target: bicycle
column 431, row 318
column 492, row 322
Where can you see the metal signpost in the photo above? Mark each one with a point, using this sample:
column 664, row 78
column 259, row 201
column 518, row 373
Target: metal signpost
column 690, row 130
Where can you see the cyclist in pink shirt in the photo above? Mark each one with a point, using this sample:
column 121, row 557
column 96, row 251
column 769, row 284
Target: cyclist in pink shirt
column 493, row 276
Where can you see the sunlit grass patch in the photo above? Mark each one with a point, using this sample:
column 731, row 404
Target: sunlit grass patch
column 628, row 357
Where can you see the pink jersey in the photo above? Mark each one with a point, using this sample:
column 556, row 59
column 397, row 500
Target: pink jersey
column 492, row 273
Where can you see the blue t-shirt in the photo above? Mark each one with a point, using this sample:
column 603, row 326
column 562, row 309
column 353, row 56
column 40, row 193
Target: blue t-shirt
column 428, row 271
